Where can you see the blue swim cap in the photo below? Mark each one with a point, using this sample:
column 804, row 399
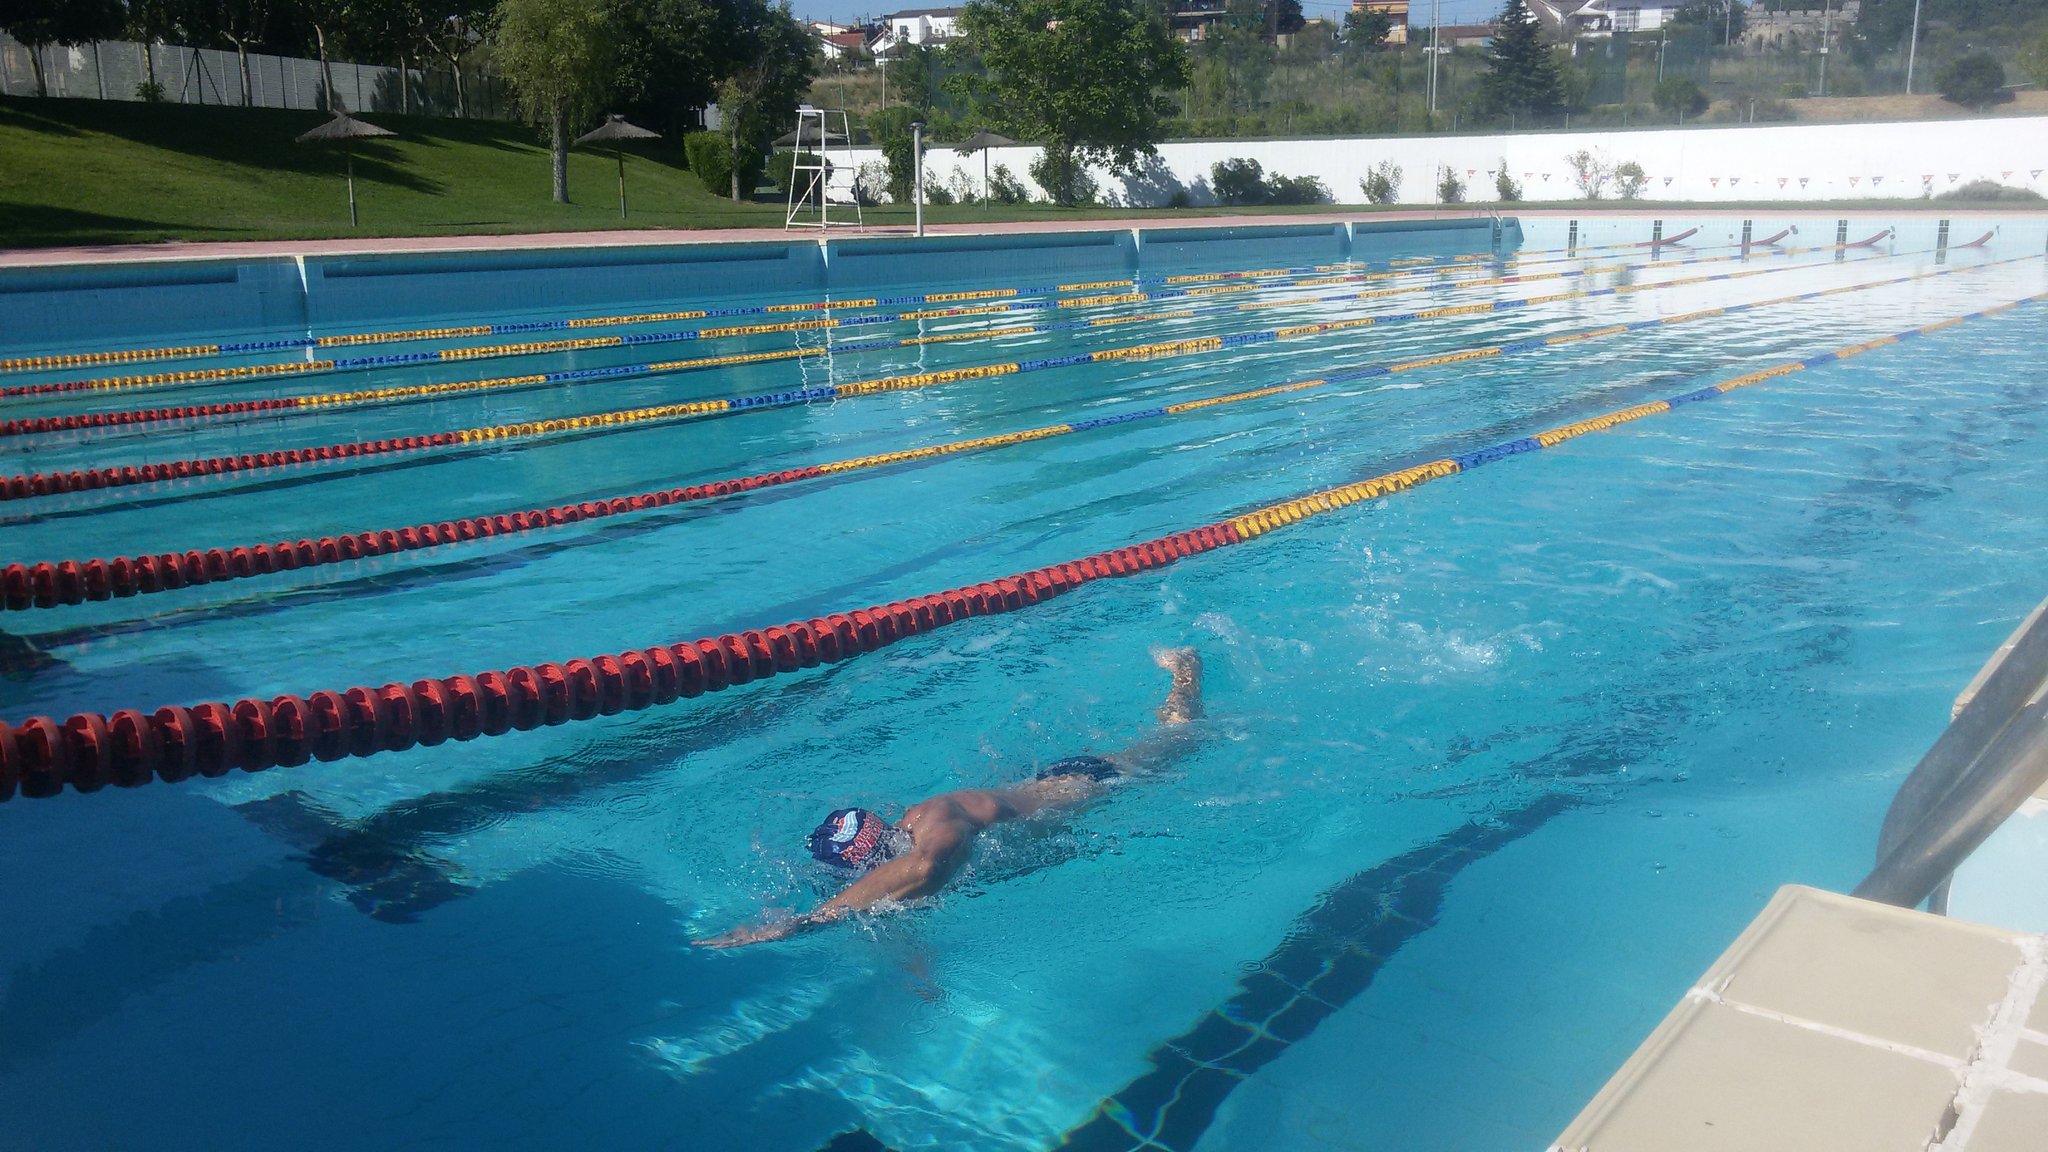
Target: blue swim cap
column 854, row 838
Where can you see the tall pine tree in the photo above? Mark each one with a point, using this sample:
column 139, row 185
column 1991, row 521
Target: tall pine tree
column 1521, row 79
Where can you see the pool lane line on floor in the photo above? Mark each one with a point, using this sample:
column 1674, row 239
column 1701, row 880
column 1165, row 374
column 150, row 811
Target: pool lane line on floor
column 1270, row 279
column 27, row 486
column 47, row 584
column 318, row 403
column 128, row 748
column 459, row 331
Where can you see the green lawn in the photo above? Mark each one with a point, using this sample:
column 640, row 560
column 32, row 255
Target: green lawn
column 108, row 172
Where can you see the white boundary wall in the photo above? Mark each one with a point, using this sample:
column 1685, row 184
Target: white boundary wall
column 1747, row 162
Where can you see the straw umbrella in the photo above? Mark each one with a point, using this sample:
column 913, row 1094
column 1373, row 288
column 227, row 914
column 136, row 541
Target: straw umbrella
column 616, row 131
column 348, row 130
column 981, row 142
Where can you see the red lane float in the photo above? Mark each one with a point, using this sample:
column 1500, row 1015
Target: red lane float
column 1767, row 242
column 1668, row 239
column 39, row 756
column 80, row 480
column 1980, row 241
column 33, row 425
column 1886, row 234
column 47, row 585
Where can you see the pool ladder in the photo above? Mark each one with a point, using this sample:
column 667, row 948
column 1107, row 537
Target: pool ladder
column 1993, row 756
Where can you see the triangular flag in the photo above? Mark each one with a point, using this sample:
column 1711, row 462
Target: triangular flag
column 1782, row 181
column 1928, row 178
column 2005, row 175
column 1954, row 176
column 1714, row 180
column 1546, row 177
column 1667, row 181
column 1734, row 180
column 2035, row 174
column 1802, row 181
column 1855, row 180
column 1471, row 171
column 1876, row 180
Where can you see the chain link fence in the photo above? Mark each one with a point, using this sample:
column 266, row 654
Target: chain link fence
column 122, row 70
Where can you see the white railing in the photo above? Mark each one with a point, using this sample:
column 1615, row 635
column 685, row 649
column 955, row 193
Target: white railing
column 118, row 70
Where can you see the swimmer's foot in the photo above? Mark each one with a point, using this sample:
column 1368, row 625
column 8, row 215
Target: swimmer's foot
column 1184, row 701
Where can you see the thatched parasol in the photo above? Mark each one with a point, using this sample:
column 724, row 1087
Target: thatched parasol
column 616, row 131
column 348, row 130
column 981, row 142
column 808, row 137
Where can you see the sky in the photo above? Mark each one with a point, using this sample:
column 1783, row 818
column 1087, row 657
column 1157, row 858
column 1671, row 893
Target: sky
column 1454, row 11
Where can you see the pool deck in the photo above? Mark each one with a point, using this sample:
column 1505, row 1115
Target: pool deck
column 369, row 245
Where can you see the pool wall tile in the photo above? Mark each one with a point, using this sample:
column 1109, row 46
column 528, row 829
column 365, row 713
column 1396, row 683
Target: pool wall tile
column 61, row 305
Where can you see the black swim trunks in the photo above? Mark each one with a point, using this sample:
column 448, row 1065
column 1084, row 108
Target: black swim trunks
column 1093, row 767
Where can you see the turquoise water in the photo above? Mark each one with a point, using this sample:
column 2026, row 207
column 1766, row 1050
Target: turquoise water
column 1510, row 757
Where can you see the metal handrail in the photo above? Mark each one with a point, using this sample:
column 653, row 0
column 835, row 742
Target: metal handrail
column 1992, row 757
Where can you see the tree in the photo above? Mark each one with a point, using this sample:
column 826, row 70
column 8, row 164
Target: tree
column 776, row 66
column 1521, row 77
column 1972, row 81
column 1679, row 94
column 1240, row 180
column 1365, row 31
column 1086, row 78
column 1722, row 20
column 557, row 55
column 40, row 23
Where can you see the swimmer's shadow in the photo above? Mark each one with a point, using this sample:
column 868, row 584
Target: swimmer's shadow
column 386, row 880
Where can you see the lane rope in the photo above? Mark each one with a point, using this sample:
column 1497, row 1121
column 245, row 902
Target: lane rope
column 329, row 401
column 1266, row 279
column 41, row 756
column 506, row 328
column 48, row 585
column 26, row 486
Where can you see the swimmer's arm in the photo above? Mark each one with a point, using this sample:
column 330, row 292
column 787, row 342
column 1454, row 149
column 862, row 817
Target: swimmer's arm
column 904, row 878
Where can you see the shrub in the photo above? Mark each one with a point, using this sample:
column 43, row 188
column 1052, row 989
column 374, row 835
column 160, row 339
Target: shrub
column 1005, row 188
column 1239, row 180
column 1679, row 94
column 709, row 155
column 1983, row 190
column 870, row 180
column 935, row 192
column 1771, row 110
column 1973, row 81
column 1081, row 187
column 1505, row 188
column 1449, row 188
column 149, row 92
column 1296, row 190
column 1179, row 199
column 782, row 168
column 1589, row 172
column 1382, row 183
column 1629, row 179
column 1793, row 91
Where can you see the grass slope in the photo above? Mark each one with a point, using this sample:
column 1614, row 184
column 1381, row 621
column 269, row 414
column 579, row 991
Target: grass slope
column 110, row 172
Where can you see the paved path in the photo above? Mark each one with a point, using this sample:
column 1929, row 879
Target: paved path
column 229, row 249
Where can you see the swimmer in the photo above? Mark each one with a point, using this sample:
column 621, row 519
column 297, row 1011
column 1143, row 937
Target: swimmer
column 918, row 854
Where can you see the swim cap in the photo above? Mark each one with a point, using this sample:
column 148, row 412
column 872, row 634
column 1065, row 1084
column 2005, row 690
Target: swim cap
column 854, row 838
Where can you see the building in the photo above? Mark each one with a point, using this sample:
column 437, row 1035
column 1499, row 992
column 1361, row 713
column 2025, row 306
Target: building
column 1793, row 31
column 1462, row 35
column 1572, row 19
column 916, row 26
column 1397, row 16
column 842, row 44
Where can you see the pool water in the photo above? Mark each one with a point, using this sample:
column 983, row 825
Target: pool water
column 1492, row 769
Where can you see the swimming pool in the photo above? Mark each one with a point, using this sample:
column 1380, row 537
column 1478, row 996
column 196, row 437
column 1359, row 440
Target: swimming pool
column 1497, row 765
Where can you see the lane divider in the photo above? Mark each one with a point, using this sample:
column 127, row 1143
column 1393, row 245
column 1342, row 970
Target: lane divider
column 548, row 347
column 327, row 401
column 19, row 487
column 128, row 748
column 467, row 331
column 48, row 585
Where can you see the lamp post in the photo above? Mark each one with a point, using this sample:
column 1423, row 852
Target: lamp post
column 1827, row 28
column 1912, row 47
column 917, row 170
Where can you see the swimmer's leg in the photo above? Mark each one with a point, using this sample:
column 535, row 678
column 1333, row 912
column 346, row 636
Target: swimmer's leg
column 1178, row 732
